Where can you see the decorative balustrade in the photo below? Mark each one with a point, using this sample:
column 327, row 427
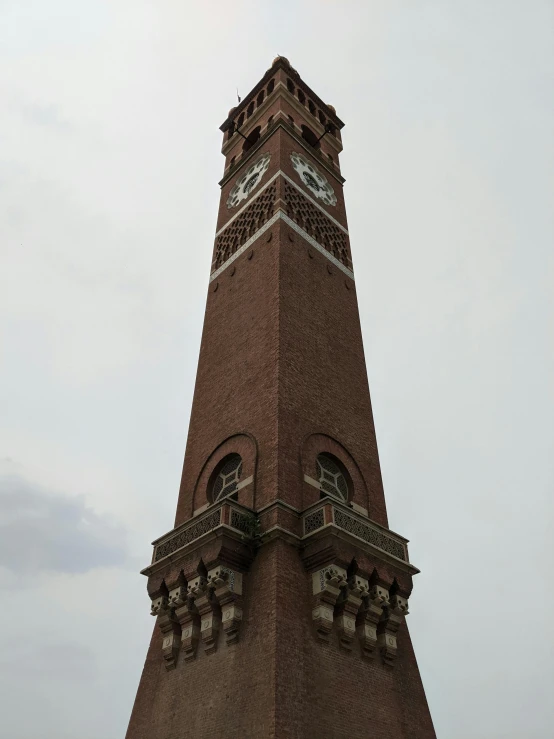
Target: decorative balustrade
column 225, row 514
column 332, row 513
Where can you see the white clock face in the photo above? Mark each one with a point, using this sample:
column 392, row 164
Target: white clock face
column 248, row 181
column 313, row 179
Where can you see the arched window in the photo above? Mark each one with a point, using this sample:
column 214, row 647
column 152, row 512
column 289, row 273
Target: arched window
column 260, row 98
column 270, row 86
column 332, row 479
column 226, row 476
column 301, row 97
column 251, row 139
column 290, row 86
column 309, row 136
column 250, row 109
column 322, row 118
column 240, row 120
column 311, row 106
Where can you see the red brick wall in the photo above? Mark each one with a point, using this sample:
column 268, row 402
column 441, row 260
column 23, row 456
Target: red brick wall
column 282, row 360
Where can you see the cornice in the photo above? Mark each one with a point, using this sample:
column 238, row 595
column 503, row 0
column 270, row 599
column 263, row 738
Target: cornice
column 281, row 64
column 280, row 122
column 280, row 89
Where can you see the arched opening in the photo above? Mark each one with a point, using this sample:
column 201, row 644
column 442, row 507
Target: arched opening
column 309, row 136
column 250, row 109
column 332, row 477
column 270, row 86
column 225, row 478
column 290, row 86
column 291, row 120
column 301, row 97
column 321, row 117
column 311, row 107
column 260, row 98
column 251, row 139
column 240, row 120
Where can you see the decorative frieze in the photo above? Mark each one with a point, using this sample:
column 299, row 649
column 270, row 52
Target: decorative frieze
column 314, row 521
column 357, row 525
column 186, row 534
column 369, row 533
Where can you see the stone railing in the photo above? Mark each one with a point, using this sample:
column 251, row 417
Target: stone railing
column 226, row 514
column 332, row 513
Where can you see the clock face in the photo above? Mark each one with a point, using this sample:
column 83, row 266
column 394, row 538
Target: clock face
column 314, row 180
column 248, row 181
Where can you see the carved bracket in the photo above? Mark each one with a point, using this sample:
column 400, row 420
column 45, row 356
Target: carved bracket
column 327, row 584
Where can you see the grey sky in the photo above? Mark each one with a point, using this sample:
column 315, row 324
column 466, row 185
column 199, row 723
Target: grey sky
column 109, row 162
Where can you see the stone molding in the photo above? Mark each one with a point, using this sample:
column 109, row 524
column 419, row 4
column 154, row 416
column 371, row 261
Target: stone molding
column 226, row 516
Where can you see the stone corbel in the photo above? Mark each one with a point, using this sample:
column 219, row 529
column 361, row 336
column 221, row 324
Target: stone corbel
column 327, row 584
column 348, row 609
column 187, row 617
column 169, row 627
column 369, row 616
column 226, row 586
column 171, row 631
column 208, row 611
column 388, row 628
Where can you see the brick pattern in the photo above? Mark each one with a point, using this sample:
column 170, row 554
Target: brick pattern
column 317, row 225
column 245, row 226
column 297, row 386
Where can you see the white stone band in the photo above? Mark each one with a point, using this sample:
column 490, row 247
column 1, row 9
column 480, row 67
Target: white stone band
column 299, row 231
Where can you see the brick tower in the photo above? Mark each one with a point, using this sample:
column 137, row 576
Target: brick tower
column 280, row 595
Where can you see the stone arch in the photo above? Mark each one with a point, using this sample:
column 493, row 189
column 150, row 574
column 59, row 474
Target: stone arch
column 243, row 444
column 316, row 444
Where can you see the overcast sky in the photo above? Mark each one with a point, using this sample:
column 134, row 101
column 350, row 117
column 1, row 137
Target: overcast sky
column 109, row 163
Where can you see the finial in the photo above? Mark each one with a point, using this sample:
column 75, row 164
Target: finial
column 281, row 58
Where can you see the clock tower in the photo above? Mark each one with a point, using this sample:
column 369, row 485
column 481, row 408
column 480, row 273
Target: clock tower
column 280, row 595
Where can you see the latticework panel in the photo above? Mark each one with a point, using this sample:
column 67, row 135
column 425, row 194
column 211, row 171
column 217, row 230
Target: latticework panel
column 245, row 226
column 317, row 225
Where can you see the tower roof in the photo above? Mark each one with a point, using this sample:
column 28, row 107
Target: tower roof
column 281, row 62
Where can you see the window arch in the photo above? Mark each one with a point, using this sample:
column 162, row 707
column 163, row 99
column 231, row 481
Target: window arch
column 226, row 477
column 252, row 138
column 331, row 478
column 260, row 98
column 309, row 136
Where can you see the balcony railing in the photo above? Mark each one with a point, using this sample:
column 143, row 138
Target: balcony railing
column 332, row 513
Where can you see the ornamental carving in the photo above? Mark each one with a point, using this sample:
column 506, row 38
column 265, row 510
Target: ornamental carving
column 314, row 521
column 315, row 223
column 190, row 533
column 369, row 534
column 244, row 226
